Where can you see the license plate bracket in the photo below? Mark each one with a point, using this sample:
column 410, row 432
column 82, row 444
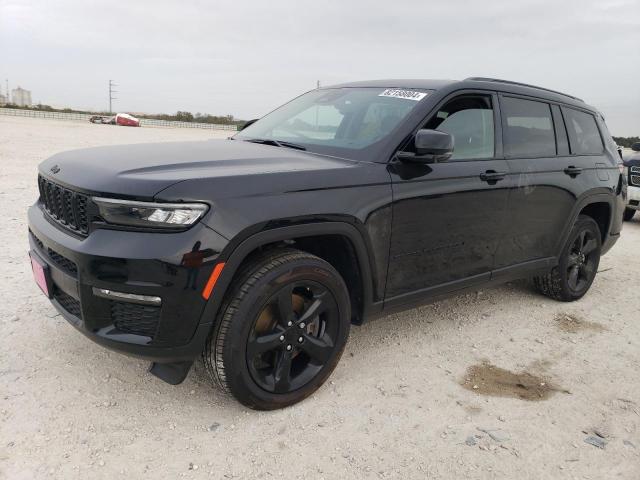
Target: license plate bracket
column 41, row 274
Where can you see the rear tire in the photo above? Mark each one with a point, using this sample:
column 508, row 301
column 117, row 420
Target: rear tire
column 628, row 214
column 280, row 331
column 577, row 266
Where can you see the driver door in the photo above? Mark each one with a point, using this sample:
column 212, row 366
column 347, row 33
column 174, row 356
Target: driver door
column 448, row 217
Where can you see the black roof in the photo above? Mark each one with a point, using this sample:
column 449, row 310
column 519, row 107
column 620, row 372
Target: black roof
column 473, row 82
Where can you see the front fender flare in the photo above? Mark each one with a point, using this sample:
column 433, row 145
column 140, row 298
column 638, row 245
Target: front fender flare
column 234, row 259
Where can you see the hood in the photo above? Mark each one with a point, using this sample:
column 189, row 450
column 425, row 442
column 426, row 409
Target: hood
column 143, row 170
column 632, row 160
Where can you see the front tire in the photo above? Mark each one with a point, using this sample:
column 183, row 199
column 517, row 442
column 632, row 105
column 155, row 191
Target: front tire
column 628, row 214
column 577, row 266
column 281, row 330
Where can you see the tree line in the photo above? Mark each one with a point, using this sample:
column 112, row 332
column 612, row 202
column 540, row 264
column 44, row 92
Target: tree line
column 626, row 141
column 180, row 116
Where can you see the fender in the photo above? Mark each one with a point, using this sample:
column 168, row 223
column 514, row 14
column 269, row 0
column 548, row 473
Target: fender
column 587, row 199
column 240, row 252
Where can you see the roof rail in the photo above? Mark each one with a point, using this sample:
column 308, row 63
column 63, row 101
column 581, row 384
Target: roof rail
column 486, row 79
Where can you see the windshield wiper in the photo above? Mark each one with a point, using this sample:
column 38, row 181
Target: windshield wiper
column 276, row 143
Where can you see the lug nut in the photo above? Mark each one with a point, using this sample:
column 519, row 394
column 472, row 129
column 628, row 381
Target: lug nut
column 300, row 339
column 302, row 325
column 282, row 338
column 289, row 323
column 289, row 347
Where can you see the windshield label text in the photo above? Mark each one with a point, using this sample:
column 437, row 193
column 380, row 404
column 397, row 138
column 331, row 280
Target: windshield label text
column 406, row 94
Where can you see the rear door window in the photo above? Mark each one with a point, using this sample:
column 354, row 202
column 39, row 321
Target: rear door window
column 528, row 128
column 584, row 135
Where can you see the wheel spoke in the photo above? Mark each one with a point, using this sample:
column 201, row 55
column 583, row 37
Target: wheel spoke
column 264, row 343
column 282, row 373
column 583, row 235
column 573, row 277
column 285, row 304
column 319, row 349
column 572, row 260
column 589, row 246
column 587, row 270
column 316, row 308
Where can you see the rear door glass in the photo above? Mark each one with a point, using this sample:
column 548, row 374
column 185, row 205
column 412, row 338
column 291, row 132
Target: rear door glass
column 528, row 128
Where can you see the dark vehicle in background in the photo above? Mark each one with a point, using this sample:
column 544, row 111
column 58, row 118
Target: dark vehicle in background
column 99, row 119
column 349, row 202
column 632, row 173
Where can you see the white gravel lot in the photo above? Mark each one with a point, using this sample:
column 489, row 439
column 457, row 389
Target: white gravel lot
column 394, row 408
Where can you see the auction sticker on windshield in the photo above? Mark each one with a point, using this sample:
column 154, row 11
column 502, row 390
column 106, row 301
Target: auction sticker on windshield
column 406, row 94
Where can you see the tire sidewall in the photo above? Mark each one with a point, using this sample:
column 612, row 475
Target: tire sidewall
column 239, row 379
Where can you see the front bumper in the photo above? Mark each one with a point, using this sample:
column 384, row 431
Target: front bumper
column 151, row 264
column 633, row 197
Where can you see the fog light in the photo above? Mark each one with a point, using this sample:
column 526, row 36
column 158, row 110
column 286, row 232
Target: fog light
column 127, row 297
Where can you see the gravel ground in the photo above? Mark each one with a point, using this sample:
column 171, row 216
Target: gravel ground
column 494, row 384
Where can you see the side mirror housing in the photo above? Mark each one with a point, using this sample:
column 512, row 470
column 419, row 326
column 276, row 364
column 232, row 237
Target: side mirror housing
column 431, row 146
column 636, row 147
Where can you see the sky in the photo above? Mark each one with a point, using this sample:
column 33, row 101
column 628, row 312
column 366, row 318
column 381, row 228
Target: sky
column 245, row 58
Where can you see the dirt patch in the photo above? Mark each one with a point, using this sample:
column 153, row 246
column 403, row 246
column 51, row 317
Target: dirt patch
column 571, row 324
column 487, row 379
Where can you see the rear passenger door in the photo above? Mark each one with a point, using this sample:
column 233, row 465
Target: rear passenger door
column 551, row 166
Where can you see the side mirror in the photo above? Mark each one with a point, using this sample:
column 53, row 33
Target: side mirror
column 431, row 146
column 250, row 122
column 636, row 147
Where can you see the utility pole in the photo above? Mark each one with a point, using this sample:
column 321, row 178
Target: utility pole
column 8, row 96
column 111, row 92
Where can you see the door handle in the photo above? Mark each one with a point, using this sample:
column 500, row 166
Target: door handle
column 572, row 171
column 491, row 176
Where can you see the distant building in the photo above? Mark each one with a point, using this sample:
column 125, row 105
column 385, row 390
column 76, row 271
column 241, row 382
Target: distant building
column 3, row 99
column 21, row 97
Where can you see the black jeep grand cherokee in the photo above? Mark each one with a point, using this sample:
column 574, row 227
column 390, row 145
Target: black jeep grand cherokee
column 347, row 203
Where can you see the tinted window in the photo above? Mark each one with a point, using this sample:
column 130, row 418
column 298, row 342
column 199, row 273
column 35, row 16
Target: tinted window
column 469, row 119
column 529, row 128
column 583, row 132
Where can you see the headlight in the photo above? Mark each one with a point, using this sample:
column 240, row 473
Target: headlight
column 148, row 214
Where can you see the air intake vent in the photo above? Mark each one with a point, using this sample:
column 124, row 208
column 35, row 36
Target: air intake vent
column 135, row 319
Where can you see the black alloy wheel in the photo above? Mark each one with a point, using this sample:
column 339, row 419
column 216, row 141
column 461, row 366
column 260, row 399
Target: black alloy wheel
column 577, row 265
column 583, row 260
column 293, row 337
column 281, row 330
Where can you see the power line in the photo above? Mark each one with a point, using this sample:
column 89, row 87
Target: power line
column 111, row 92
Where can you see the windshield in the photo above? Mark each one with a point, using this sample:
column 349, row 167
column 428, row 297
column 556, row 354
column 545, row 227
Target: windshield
column 336, row 121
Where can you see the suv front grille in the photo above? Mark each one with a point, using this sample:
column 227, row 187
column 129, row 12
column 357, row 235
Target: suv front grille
column 67, row 302
column 135, row 318
column 634, row 176
column 65, row 206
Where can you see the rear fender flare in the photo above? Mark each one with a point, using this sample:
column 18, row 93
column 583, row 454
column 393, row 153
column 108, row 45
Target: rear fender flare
column 577, row 208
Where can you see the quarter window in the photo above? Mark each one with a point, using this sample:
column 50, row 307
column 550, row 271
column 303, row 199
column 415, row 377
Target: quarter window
column 529, row 128
column 583, row 132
